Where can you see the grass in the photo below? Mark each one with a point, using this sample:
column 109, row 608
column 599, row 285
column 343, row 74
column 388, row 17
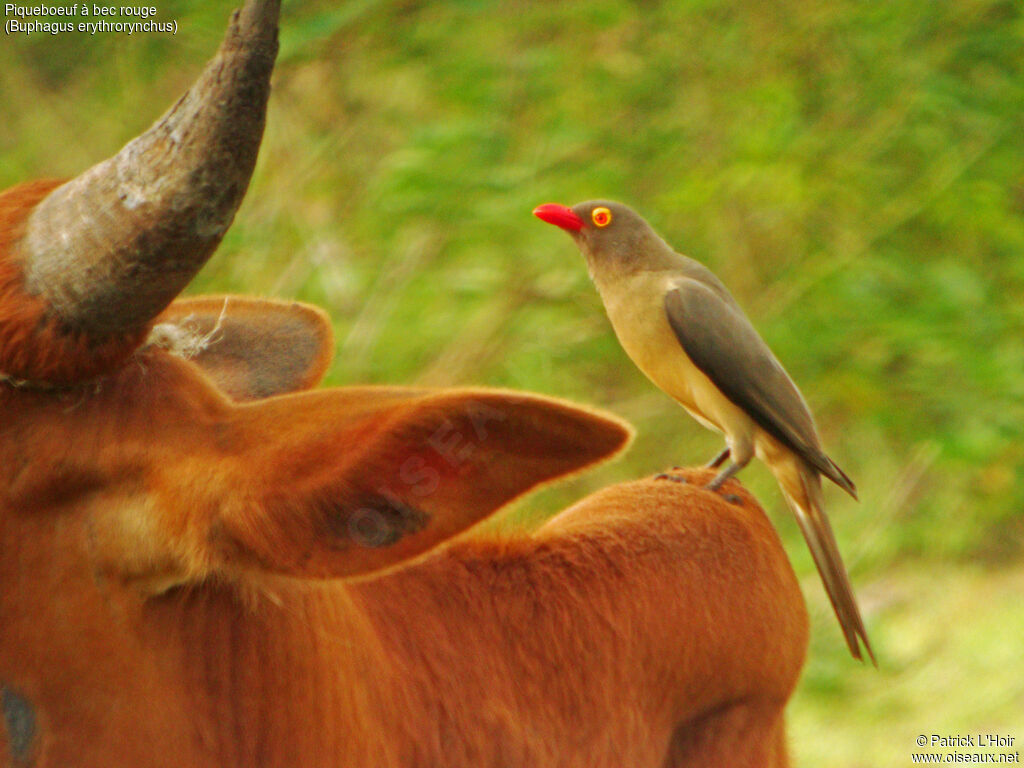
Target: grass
column 853, row 171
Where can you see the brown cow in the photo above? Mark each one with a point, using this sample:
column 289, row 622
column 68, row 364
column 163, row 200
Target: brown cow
column 178, row 509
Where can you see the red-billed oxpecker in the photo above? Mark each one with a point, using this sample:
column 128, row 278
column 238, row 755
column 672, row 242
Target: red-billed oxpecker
column 683, row 329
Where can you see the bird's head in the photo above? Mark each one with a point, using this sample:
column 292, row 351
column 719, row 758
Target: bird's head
column 611, row 235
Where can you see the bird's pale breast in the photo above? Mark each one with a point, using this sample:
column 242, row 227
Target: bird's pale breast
column 635, row 306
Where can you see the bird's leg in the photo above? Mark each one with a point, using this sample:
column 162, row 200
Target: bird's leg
column 722, row 476
column 717, row 461
column 741, row 454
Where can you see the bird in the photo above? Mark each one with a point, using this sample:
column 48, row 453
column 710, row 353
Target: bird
column 683, row 329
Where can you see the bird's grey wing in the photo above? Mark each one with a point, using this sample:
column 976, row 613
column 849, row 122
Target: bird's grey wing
column 722, row 343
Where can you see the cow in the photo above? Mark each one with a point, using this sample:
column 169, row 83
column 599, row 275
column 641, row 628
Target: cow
column 207, row 561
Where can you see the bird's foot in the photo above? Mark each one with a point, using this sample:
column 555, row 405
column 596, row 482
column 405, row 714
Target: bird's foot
column 718, row 480
column 732, row 498
column 673, row 478
column 715, row 483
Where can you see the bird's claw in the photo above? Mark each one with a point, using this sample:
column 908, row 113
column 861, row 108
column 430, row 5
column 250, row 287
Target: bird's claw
column 673, row 478
column 717, row 483
column 719, row 480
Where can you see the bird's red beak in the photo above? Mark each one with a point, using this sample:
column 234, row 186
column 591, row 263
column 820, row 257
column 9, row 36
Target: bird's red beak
column 560, row 216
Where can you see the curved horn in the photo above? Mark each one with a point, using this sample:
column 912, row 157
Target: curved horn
column 108, row 250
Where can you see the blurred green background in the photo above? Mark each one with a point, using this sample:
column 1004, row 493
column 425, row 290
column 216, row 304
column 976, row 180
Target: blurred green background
column 853, row 171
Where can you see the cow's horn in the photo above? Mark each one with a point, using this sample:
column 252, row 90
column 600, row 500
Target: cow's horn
column 108, row 250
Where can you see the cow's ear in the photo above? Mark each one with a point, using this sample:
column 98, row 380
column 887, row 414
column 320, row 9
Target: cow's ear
column 250, row 348
column 347, row 482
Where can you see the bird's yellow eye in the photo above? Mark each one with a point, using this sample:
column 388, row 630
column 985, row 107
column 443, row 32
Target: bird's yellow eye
column 601, row 217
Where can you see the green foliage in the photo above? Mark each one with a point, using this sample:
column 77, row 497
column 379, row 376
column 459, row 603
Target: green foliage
column 853, row 171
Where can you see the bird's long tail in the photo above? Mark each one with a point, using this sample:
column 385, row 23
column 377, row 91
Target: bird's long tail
column 817, row 531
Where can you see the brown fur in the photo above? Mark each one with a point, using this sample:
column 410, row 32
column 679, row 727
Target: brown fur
column 651, row 624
